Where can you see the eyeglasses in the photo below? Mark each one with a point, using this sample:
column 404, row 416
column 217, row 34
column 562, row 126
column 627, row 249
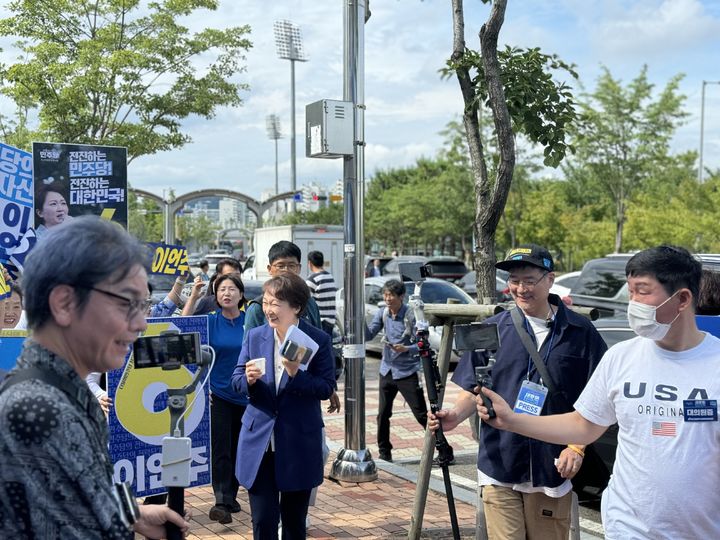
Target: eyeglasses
column 529, row 284
column 283, row 267
column 134, row 307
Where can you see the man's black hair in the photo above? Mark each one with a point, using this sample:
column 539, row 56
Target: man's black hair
column 228, row 262
column 284, row 250
column 394, row 286
column 709, row 298
column 316, row 258
column 674, row 268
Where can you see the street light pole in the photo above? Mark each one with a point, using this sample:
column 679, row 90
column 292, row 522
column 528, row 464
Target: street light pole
column 702, row 128
column 354, row 462
column 288, row 42
column 272, row 122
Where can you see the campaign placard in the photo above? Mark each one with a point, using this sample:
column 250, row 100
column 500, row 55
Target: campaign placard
column 71, row 180
column 11, row 344
column 140, row 417
column 16, row 205
column 169, row 259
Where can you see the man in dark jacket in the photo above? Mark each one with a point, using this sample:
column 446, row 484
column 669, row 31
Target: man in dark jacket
column 525, row 483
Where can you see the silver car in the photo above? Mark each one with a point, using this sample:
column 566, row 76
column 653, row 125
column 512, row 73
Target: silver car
column 434, row 291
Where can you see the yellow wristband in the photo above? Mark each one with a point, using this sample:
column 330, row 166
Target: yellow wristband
column 579, row 451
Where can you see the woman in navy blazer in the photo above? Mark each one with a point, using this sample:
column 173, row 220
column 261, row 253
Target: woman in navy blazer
column 279, row 458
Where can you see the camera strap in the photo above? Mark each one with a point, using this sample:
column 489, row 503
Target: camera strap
column 79, row 398
column 529, row 344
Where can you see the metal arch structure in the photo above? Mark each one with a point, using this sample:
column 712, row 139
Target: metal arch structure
column 171, row 208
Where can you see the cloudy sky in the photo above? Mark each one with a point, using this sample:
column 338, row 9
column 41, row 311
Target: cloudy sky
column 407, row 41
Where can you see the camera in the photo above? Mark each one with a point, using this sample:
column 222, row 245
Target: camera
column 294, row 352
column 415, row 271
column 169, row 350
column 476, row 337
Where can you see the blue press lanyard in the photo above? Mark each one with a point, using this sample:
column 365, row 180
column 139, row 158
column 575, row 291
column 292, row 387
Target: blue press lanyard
column 549, row 348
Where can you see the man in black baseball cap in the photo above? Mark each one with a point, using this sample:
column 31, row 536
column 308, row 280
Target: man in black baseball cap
column 531, row 254
column 525, row 494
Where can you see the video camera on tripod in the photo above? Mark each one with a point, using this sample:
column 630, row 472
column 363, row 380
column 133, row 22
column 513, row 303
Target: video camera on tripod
column 169, row 351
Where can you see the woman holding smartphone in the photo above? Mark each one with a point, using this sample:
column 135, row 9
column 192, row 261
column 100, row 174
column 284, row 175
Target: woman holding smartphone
column 280, row 456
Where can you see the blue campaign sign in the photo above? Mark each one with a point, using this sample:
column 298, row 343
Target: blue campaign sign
column 16, row 205
column 140, row 417
column 709, row 324
column 11, row 344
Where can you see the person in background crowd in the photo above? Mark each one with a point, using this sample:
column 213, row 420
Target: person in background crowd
column 708, row 302
column 375, row 271
column 85, row 294
column 280, row 455
column 399, row 365
column 661, row 390
column 323, row 289
column 52, row 208
column 525, row 493
column 209, row 303
column 168, row 305
column 226, row 333
column 204, row 268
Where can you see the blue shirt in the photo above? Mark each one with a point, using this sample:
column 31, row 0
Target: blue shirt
column 575, row 350
column 166, row 308
column 401, row 364
column 226, row 337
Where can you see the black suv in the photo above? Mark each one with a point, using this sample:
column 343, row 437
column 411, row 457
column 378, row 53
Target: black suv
column 602, row 285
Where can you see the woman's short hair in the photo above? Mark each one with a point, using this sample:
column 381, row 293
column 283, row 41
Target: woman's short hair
column 290, row 288
column 709, row 298
column 83, row 253
column 236, row 281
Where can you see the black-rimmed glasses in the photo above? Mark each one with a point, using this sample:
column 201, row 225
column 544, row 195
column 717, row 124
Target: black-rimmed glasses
column 133, row 306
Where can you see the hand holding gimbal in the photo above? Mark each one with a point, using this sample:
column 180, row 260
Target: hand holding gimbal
column 480, row 337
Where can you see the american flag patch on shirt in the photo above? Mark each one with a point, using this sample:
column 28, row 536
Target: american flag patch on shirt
column 663, row 429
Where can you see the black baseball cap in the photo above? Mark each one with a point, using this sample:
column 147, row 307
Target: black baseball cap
column 527, row 254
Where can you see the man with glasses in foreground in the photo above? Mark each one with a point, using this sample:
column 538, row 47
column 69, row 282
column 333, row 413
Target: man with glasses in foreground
column 525, row 484
column 86, row 295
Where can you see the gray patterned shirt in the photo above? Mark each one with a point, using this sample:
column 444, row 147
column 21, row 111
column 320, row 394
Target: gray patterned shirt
column 56, row 476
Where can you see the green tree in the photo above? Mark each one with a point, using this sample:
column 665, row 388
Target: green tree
column 518, row 87
column 329, row 215
column 100, row 72
column 145, row 218
column 623, row 138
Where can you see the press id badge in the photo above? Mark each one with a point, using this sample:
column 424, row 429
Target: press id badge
column 531, row 398
column 700, row 410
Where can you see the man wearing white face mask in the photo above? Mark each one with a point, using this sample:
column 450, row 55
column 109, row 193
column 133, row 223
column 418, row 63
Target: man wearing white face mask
column 662, row 390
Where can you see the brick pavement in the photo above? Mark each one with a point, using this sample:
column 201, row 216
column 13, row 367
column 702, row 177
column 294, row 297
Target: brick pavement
column 380, row 509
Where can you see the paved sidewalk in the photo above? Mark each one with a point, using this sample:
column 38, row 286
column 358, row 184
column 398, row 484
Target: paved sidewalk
column 380, row 509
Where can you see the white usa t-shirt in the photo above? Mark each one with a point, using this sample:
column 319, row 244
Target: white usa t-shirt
column 666, row 478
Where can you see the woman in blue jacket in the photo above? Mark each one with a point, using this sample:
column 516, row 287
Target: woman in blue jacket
column 226, row 331
column 279, row 457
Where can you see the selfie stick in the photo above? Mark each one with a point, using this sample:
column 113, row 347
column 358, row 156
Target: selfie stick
column 434, row 385
column 176, row 449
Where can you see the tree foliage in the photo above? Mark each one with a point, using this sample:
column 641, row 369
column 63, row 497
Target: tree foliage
column 623, row 139
column 116, row 72
column 145, row 218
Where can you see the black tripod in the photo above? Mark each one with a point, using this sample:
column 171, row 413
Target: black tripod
column 434, row 385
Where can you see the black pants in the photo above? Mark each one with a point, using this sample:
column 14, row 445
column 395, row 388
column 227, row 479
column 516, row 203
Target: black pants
column 225, row 422
column 268, row 505
column 410, row 389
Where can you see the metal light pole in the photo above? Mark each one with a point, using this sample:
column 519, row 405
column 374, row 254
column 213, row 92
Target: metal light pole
column 272, row 123
column 288, row 42
column 702, row 128
column 354, row 462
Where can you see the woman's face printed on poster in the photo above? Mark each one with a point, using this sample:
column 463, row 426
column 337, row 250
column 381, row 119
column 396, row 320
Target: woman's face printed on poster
column 54, row 209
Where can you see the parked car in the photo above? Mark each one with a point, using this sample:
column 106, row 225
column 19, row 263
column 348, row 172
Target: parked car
column 391, row 267
column 602, row 285
column 564, row 283
column 214, row 258
column 369, row 263
column 469, row 285
column 433, row 291
column 447, row 268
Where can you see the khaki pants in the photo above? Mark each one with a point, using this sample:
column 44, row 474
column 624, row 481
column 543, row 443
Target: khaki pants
column 513, row 515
